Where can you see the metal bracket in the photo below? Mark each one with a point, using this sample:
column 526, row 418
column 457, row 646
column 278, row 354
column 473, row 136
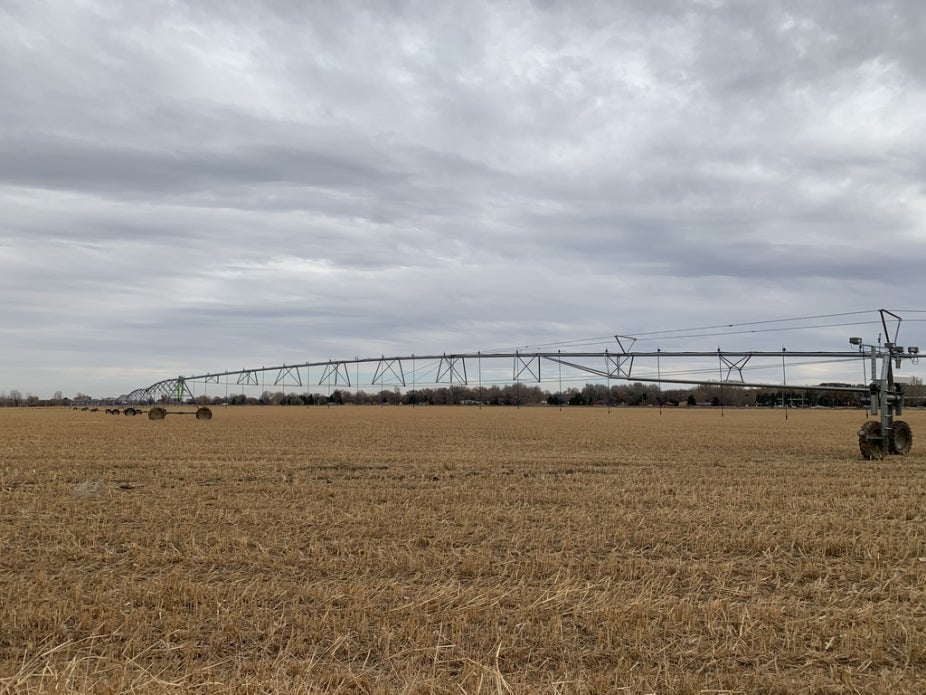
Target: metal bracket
column 452, row 367
column 733, row 364
column 531, row 365
column 335, row 373
column 285, row 372
column 248, row 378
column 621, row 339
column 390, row 366
column 614, row 365
column 171, row 389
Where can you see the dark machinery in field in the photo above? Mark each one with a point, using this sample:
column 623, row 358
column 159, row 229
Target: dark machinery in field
column 888, row 434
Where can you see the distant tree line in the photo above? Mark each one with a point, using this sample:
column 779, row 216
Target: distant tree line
column 16, row 399
column 591, row 394
column 517, row 394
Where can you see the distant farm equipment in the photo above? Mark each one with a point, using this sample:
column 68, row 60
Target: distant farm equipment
column 155, row 412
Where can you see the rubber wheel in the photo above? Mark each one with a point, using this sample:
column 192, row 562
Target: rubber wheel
column 900, row 440
column 870, row 442
column 130, row 411
column 203, row 413
column 157, row 413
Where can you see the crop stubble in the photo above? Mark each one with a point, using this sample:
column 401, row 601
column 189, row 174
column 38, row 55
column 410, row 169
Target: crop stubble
column 383, row 550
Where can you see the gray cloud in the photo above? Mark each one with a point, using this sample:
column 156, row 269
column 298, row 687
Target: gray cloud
column 207, row 185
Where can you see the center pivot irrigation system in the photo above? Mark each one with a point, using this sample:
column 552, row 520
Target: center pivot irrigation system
column 886, row 435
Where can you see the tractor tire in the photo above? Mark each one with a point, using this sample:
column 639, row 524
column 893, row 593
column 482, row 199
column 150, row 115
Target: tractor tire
column 900, row 439
column 872, row 449
column 157, row 413
column 130, row 412
column 203, row 413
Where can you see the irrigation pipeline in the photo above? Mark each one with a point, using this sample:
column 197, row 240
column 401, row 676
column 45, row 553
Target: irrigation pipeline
column 622, row 364
column 527, row 367
column 876, row 438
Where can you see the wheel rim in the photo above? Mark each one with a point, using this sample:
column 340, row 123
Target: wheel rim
column 901, row 438
column 870, row 442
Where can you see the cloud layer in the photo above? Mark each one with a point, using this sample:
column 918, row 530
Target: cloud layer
column 193, row 187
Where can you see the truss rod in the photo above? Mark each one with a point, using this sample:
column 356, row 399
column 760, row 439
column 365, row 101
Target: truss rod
column 554, row 356
column 452, row 367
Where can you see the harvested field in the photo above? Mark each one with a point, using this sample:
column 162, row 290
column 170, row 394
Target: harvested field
column 459, row 550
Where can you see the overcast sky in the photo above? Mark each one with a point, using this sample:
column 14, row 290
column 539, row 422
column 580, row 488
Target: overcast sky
column 190, row 187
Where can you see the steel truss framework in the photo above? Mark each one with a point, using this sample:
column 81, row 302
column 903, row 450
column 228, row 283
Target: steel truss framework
column 875, row 438
column 528, row 367
column 619, row 365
